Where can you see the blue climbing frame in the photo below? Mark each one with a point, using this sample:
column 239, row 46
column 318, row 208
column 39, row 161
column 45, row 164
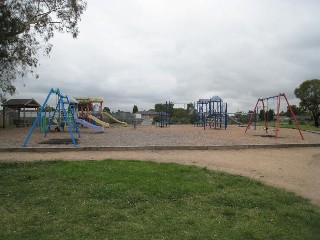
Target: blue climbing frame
column 212, row 112
column 62, row 100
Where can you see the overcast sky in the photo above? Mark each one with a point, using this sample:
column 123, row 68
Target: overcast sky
column 142, row 52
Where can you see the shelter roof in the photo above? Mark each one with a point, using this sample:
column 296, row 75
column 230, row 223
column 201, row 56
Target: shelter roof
column 89, row 99
column 21, row 103
column 216, row 99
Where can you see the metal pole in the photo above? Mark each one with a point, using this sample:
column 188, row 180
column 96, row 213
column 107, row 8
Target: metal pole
column 226, row 117
column 51, row 120
column 264, row 116
column 278, row 115
column 66, row 118
column 294, row 117
column 250, row 119
column 35, row 122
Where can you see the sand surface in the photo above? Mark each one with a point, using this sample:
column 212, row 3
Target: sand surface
column 176, row 135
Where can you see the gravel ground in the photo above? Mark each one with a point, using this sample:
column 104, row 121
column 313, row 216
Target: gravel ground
column 177, row 135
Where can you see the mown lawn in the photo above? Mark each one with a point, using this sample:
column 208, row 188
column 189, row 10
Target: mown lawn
column 303, row 126
column 145, row 200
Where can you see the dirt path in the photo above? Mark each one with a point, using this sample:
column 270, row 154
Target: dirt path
column 294, row 169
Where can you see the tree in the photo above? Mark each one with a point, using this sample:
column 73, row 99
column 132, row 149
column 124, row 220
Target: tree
column 26, row 26
column 164, row 107
column 242, row 117
column 270, row 114
column 106, row 109
column 261, row 115
column 135, row 109
column 48, row 108
column 297, row 110
column 180, row 115
column 309, row 94
column 192, row 112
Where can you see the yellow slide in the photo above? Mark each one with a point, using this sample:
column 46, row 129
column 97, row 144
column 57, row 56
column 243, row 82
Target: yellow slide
column 97, row 120
column 114, row 119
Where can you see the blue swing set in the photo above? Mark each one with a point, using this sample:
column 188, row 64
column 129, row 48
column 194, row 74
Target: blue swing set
column 70, row 121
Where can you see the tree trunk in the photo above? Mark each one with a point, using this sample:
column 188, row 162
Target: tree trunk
column 316, row 119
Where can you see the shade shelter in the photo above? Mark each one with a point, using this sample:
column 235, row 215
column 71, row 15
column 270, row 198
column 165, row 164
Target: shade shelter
column 18, row 105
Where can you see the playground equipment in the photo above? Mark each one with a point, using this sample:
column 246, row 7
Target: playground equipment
column 164, row 115
column 90, row 125
column 62, row 118
column 97, row 120
column 235, row 120
column 86, row 105
column 278, row 97
column 212, row 112
column 43, row 123
column 114, row 119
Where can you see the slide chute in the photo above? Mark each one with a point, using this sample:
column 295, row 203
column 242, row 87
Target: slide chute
column 114, row 119
column 234, row 120
column 97, row 120
column 89, row 125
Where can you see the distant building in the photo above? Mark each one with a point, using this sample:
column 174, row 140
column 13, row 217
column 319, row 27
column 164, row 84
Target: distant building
column 150, row 114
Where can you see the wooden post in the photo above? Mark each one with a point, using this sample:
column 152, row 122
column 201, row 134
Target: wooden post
column 101, row 111
column 24, row 116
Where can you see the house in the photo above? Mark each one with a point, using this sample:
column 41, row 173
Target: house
column 150, row 114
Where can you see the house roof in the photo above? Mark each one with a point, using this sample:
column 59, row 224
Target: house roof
column 21, row 103
column 149, row 112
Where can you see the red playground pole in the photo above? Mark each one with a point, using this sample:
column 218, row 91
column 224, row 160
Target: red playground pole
column 278, row 114
column 252, row 115
column 294, row 117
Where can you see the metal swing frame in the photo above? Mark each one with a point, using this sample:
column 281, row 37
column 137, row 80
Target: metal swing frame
column 59, row 106
column 278, row 113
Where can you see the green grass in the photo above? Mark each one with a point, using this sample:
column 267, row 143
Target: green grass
column 303, row 126
column 145, row 200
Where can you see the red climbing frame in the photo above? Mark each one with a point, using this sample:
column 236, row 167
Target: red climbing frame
column 278, row 113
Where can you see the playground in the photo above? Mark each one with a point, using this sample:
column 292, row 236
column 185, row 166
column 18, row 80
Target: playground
column 148, row 136
column 283, row 157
